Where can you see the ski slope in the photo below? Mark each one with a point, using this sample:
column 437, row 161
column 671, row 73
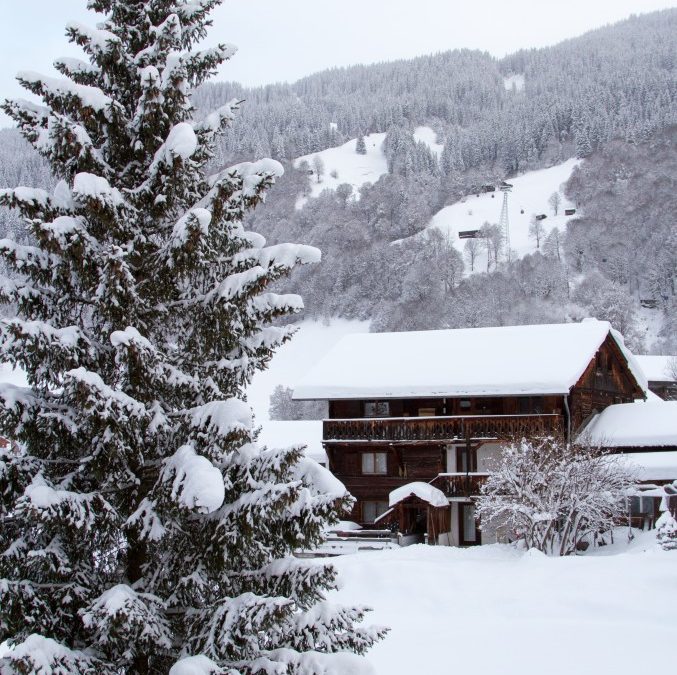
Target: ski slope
column 349, row 167
column 529, row 196
column 354, row 169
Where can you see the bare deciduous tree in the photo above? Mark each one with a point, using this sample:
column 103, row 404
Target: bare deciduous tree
column 471, row 249
column 555, row 200
column 536, row 230
column 318, row 167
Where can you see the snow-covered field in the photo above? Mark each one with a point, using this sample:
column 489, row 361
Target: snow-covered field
column 427, row 135
column 348, row 166
column 354, row 169
column 494, row 611
column 530, row 194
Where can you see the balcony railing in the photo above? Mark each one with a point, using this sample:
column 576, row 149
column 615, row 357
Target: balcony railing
column 447, row 428
column 459, row 485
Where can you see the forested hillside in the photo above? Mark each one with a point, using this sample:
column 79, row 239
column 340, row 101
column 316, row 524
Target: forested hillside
column 609, row 96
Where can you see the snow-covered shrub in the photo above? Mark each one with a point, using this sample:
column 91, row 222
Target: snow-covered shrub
column 554, row 496
column 666, row 531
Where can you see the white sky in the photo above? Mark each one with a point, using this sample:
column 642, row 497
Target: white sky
column 287, row 39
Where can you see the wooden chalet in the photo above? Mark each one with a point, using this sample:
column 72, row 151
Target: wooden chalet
column 433, row 407
column 646, row 435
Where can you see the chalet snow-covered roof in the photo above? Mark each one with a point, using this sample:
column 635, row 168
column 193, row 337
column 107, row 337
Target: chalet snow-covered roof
column 656, row 368
column 653, row 465
column 510, row 360
column 635, row 425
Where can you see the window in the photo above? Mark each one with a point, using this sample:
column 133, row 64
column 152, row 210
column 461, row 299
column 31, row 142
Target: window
column 375, row 462
column 426, row 412
column 641, row 506
column 372, row 510
column 464, row 404
column 376, row 409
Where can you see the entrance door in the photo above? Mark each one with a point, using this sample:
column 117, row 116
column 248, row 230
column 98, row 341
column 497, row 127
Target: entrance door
column 467, row 526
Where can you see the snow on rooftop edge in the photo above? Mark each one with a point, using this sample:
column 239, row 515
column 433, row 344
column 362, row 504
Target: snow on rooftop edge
column 653, row 465
column 635, row 425
column 424, row 491
column 507, row 360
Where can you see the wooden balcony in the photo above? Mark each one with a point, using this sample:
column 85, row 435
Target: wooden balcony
column 459, row 485
column 441, row 429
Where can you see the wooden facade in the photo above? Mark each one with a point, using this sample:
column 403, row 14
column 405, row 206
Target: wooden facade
column 376, row 446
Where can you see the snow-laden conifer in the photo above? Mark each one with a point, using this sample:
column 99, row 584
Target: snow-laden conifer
column 142, row 528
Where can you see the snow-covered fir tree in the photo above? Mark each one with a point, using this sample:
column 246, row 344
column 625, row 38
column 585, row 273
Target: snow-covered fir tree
column 360, row 145
column 142, row 528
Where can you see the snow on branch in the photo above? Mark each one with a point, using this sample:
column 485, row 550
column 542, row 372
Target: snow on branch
column 339, row 663
column 320, row 480
column 222, row 418
column 38, row 654
column 285, row 256
column 196, row 665
column 181, row 144
column 81, row 72
column 128, row 337
column 17, row 399
column 194, row 222
column 238, row 284
column 88, row 187
column 101, row 394
column 134, row 622
column 82, row 511
column 216, row 121
column 196, row 482
column 27, row 113
column 60, row 93
column 95, row 41
column 269, row 337
column 147, row 521
column 26, row 257
column 269, row 304
column 252, row 175
column 238, row 625
column 69, row 342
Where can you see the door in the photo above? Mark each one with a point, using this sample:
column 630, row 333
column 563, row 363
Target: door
column 467, row 526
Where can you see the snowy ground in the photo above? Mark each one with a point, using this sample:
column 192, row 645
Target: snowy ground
column 530, row 194
column 493, row 611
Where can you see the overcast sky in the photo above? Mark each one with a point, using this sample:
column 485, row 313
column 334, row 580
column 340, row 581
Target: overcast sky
column 286, row 39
